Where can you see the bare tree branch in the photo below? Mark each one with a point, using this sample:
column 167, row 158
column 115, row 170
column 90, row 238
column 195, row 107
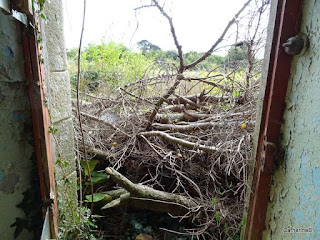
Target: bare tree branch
column 213, row 47
column 143, row 6
column 104, row 122
column 163, row 99
column 181, row 142
column 173, row 31
column 193, row 126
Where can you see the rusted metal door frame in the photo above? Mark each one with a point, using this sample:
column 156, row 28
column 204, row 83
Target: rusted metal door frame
column 287, row 24
column 41, row 123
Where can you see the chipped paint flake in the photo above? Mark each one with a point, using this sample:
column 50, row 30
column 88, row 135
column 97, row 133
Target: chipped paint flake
column 296, row 181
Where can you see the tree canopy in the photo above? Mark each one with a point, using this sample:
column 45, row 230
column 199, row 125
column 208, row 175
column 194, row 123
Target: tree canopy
column 145, row 45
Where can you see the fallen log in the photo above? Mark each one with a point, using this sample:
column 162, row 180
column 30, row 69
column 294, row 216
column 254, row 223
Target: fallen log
column 141, row 196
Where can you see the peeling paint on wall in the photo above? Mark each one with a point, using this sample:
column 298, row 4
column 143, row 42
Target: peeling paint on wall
column 295, row 191
column 9, row 53
column 16, row 146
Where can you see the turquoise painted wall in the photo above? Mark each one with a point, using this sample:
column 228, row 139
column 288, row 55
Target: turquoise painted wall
column 295, row 191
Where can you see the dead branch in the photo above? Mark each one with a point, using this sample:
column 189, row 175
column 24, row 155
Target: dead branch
column 135, row 96
column 197, row 98
column 163, row 99
column 173, row 31
column 204, row 80
column 187, row 101
column 175, row 117
column 182, row 142
column 194, row 115
column 189, row 127
column 104, row 122
column 213, row 47
column 118, row 201
column 176, row 108
column 101, row 154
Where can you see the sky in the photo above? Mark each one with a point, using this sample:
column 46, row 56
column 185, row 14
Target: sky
column 198, row 23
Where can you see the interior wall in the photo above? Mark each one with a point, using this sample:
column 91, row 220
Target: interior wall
column 17, row 159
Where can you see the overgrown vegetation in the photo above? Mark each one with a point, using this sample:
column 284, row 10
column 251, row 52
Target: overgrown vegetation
column 169, row 132
column 108, row 65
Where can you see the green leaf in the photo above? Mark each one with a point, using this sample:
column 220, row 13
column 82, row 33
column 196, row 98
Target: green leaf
column 226, row 227
column 230, row 185
column 236, row 237
column 96, row 197
column 42, row 16
column 91, row 224
column 236, row 93
column 52, row 129
column 243, row 221
column 99, row 177
column 217, row 216
column 58, row 162
column 92, row 165
column 214, row 201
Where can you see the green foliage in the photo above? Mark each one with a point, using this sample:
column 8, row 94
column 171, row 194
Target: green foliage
column 80, row 225
column 96, row 177
column 145, row 45
column 172, row 56
column 208, row 64
column 99, row 177
column 72, row 54
column 52, row 129
column 161, row 56
column 41, row 4
column 107, row 65
column 237, row 53
column 236, row 93
column 214, row 201
column 217, row 216
column 92, row 164
column 97, row 197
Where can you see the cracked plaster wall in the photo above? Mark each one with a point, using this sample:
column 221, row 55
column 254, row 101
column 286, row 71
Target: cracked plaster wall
column 16, row 136
column 295, row 191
